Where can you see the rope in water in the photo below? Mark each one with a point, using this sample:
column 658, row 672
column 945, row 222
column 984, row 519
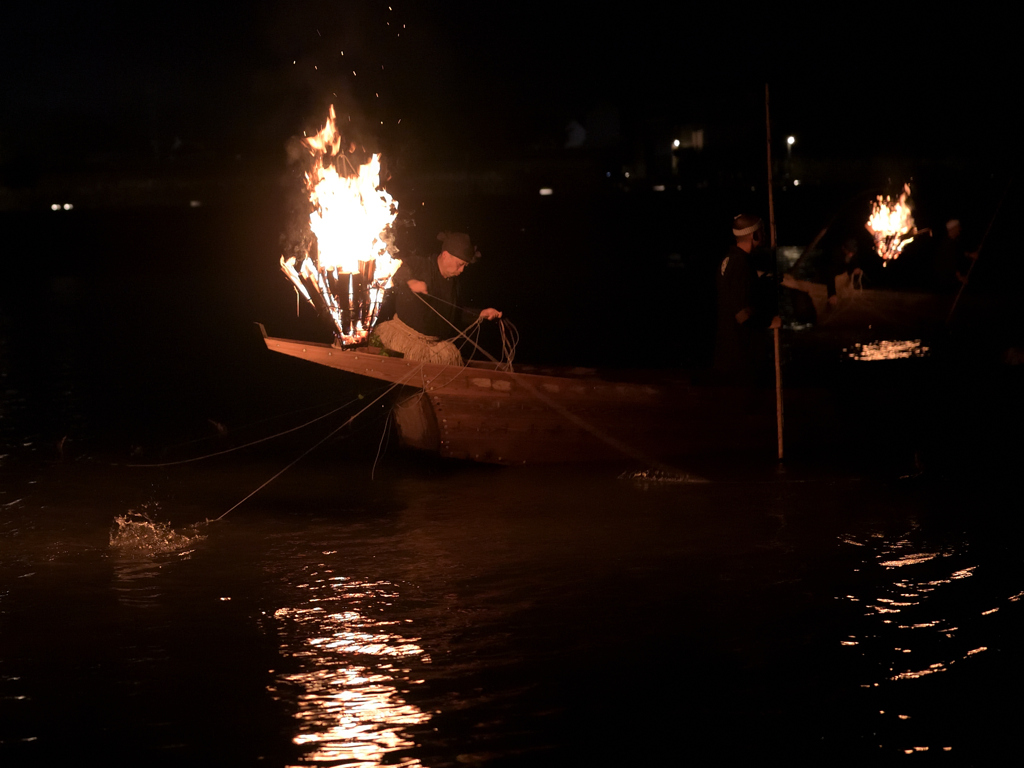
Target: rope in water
column 510, row 339
column 321, row 442
column 250, row 444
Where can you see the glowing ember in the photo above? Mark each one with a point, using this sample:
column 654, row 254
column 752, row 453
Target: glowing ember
column 891, row 225
column 351, row 259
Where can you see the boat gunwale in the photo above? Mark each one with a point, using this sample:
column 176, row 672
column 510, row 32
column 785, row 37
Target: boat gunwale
column 396, row 369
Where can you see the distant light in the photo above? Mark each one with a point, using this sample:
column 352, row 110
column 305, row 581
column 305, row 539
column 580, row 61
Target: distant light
column 627, row 174
column 545, row 191
column 607, row 174
column 68, row 206
column 195, row 203
column 796, row 182
column 55, row 207
column 659, row 187
column 791, row 140
column 675, row 144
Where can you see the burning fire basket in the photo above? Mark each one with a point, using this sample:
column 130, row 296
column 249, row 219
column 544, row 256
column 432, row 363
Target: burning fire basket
column 351, row 257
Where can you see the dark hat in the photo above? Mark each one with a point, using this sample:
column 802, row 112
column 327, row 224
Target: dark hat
column 459, row 245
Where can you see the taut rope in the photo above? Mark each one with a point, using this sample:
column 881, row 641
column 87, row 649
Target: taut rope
column 321, row 442
column 248, row 445
column 508, row 341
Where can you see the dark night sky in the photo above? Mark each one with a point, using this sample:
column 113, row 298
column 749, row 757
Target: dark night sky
column 83, row 81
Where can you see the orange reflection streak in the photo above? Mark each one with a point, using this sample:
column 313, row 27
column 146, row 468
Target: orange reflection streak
column 349, row 707
column 887, row 350
column 908, row 602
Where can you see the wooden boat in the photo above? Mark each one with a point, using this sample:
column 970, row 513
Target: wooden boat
column 862, row 309
column 483, row 412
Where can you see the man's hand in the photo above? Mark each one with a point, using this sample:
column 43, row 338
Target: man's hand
column 490, row 314
column 417, row 286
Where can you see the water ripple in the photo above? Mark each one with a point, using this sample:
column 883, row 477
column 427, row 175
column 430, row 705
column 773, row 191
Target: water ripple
column 353, row 670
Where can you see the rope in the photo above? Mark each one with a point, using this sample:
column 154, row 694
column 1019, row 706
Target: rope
column 454, row 327
column 475, row 329
column 381, row 445
column 246, row 445
column 513, row 338
column 601, row 435
column 206, row 438
column 318, row 444
column 509, row 333
column 509, row 341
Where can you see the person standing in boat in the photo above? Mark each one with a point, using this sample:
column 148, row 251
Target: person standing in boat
column 427, row 312
column 743, row 314
column 952, row 260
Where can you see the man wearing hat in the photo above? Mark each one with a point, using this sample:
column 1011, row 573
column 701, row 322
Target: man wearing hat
column 427, row 310
column 740, row 316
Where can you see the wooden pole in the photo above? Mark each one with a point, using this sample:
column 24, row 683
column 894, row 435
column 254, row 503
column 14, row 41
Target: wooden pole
column 768, row 141
column 778, row 392
column 771, row 220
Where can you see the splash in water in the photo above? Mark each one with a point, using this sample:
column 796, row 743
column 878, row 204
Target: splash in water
column 660, row 476
column 137, row 533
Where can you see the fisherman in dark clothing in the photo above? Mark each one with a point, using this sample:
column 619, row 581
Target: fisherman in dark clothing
column 427, row 311
column 952, row 260
column 742, row 312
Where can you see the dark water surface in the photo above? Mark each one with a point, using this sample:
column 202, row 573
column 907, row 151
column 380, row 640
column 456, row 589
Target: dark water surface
column 516, row 616
column 406, row 611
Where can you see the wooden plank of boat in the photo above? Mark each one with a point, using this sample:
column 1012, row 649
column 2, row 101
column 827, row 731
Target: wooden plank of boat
column 483, row 413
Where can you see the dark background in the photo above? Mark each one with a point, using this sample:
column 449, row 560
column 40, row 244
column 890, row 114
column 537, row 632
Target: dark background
column 435, row 85
column 131, row 114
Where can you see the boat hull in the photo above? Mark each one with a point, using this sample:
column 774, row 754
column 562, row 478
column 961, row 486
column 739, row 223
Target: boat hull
column 482, row 413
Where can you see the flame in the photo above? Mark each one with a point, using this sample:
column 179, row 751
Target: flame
column 351, row 261
column 890, row 223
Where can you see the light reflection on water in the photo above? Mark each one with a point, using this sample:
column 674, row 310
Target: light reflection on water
column 920, row 574
column 924, row 615
column 887, row 349
column 349, row 690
